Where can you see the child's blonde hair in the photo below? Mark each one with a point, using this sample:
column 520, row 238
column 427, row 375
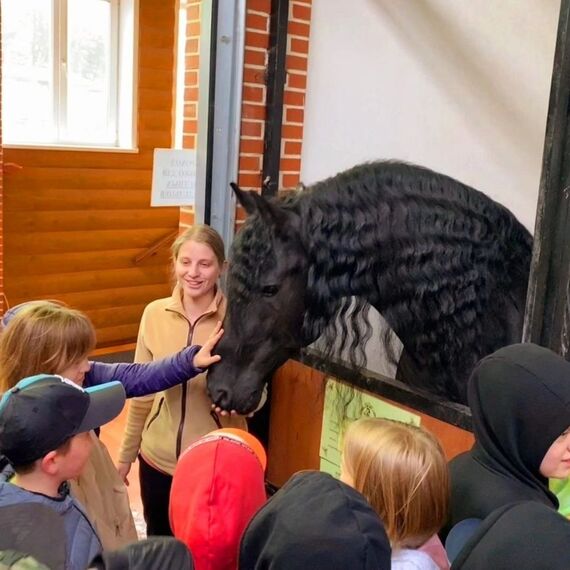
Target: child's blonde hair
column 201, row 233
column 402, row 471
column 44, row 337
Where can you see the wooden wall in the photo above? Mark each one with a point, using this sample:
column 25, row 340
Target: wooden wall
column 75, row 220
column 297, row 404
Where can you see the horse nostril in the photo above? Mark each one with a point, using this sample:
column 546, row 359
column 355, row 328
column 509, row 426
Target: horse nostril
column 221, row 398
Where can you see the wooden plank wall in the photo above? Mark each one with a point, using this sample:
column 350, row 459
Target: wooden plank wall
column 75, row 220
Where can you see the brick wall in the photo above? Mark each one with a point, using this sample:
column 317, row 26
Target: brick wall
column 295, row 88
column 255, row 92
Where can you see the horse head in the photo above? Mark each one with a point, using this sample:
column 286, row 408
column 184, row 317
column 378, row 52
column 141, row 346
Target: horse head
column 266, row 286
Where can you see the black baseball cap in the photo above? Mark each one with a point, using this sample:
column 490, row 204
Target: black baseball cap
column 42, row 412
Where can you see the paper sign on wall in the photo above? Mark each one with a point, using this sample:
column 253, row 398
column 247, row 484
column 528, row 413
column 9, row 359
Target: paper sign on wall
column 343, row 405
column 173, row 177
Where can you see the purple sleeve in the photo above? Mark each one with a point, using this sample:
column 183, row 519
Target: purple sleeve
column 141, row 379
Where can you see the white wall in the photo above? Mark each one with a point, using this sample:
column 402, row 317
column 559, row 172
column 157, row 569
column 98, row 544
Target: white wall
column 460, row 86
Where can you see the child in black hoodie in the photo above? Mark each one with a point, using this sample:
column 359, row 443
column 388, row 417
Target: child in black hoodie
column 520, row 403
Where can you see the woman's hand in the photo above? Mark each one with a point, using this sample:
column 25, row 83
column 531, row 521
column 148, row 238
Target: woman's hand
column 204, row 356
column 124, row 469
column 225, row 413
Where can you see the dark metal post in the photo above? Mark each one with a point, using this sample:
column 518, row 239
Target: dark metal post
column 276, row 77
column 547, row 317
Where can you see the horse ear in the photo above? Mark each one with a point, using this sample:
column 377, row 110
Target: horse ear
column 246, row 199
column 270, row 212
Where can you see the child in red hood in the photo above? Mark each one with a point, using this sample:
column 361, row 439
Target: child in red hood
column 218, row 486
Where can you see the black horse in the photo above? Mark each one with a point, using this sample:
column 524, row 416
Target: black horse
column 446, row 266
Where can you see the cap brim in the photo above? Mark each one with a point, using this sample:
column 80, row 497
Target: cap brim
column 106, row 402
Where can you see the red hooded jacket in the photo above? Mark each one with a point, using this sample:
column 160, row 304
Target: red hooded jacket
column 218, row 486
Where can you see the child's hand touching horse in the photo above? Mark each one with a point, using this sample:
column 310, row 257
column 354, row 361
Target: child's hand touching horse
column 204, row 356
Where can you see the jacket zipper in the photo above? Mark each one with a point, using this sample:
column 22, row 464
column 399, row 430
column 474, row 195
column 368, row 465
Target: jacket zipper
column 185, row 390
column 156, row 413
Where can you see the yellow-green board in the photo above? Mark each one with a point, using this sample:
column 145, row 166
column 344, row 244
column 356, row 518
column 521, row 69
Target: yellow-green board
column 343, row 405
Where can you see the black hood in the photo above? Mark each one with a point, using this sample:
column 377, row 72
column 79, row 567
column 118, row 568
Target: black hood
column 520, row 401
column 521, row 536
column 315, row 522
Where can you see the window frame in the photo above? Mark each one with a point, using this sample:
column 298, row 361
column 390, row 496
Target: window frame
column 122, row 108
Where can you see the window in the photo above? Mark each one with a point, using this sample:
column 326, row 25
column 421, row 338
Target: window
column 68, row 72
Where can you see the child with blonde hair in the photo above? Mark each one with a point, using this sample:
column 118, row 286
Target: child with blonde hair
column 402, row 471
column 48, row 337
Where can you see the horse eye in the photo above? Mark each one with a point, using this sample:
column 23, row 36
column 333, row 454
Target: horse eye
column 269, row 290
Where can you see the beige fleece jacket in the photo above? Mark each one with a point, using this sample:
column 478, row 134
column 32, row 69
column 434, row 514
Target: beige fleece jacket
column 165, row 424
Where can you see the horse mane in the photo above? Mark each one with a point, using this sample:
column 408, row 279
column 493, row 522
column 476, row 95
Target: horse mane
column 444, row 264
column 444, row 260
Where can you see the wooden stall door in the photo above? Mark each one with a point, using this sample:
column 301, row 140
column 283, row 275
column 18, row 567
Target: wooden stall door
column 297, row 404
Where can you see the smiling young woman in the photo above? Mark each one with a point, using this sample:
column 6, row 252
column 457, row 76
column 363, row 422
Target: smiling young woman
column 160, row 427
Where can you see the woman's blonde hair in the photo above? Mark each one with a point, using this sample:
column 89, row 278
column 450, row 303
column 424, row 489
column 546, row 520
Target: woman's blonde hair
column 402, row 471
column 201, row 233
column 43, row 337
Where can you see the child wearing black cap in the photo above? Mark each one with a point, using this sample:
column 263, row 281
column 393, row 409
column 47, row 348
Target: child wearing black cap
column 45, row 422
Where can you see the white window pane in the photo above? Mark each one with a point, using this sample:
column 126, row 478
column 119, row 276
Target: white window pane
column 27, row 70
column 89, row 73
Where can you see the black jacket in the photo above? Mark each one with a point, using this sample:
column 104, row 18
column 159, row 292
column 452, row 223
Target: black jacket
column 315, row 522
column 521, row 536
column 520, row 403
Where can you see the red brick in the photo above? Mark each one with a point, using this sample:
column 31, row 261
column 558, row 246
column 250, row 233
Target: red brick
column 192, row 45
column 292, row 148
column 301, row 12
column 259, row 5
column 299, row 46
column 188, row 141
column 191, row 94
column 290, row 164
column 253, row 94
column 254, row 57
column 191, row 78
column 251, row 146
column 249, row 111
column 298, row 29
column 250, row 163
column 296, row 98
column 186, row 217
column 248, row 180
column 256, row 39
column 297, row 81
column 193, row 12
column 241, row 214
column 257, row 22
column 296, row 62
column 193, row 29
column 251, row 128
column 294, row 132
column 289, row 180
column 190, row 110
column 294, row 115
column 192, row 62
column 190, row 127
column 251, row 75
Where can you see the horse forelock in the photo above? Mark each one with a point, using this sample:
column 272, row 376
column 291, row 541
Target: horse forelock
column 251, row 255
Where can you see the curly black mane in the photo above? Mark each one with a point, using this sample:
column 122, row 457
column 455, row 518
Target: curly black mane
column 445, row 265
